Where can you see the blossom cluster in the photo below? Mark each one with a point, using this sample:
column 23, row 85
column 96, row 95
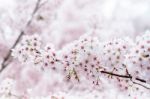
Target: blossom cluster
column 82, row 57
column 113, row 54
column 138, row 59
column 32, row 50
column 88, row 59
column 6, row 86
column 7, row 89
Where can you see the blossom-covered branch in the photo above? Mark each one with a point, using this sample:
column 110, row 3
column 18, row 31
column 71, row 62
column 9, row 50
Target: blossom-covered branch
column 120, row 60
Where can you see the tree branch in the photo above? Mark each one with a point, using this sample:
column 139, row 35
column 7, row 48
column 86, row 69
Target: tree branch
column 6, row 59
column 128, row 77
column 118, row 75
column 140, row 85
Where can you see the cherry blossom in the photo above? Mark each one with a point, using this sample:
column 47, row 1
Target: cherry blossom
column 74, row 49
column 88, row 59
column 138, row 58
column 113, row 54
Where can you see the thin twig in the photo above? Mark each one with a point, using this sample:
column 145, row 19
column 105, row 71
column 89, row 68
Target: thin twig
column 34, row 12
column 140, row 85
column 6, row 59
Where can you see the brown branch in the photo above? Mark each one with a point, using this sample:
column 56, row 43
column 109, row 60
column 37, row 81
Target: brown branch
column 5, row 62
column 118, row 75
column 141, row 80
column 128, row 76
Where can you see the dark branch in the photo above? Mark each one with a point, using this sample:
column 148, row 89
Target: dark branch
column 118, row 75
column 140, row 85
column 129, row 77
column 6, row 59
column 141, row 80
